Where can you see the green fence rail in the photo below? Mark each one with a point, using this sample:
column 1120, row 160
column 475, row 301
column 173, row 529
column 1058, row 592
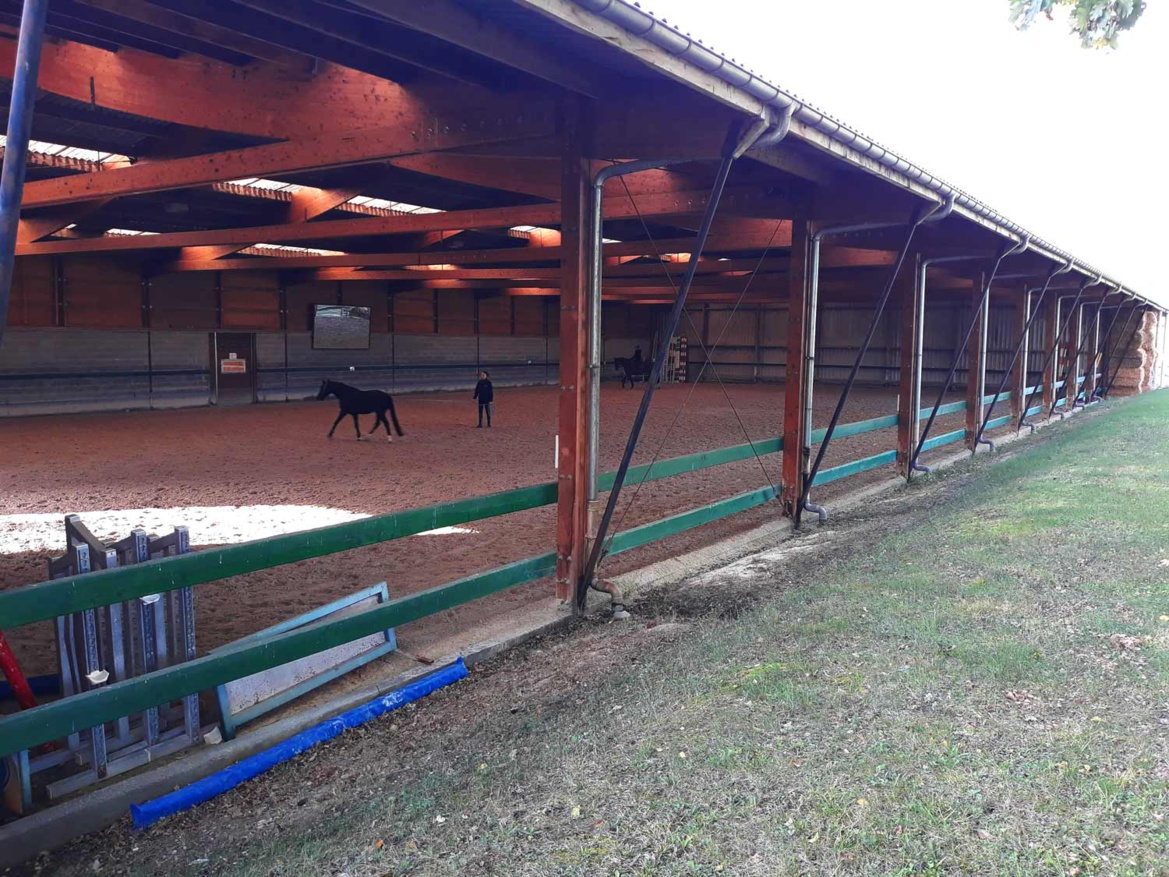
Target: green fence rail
column 949, row 408
column 998, row 421
column 844, row 430
column 854, row 468
column 47, row 600
column 60, row 718
column 50, row 599
column 691, row 463
column 945, row 439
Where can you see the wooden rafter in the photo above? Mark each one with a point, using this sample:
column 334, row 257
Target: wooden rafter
column 421, row 132
column 494, row 217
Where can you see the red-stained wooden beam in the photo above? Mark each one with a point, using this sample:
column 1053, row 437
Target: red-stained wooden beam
column 493, row 217
column 482, row 35
column 260, row 101
column 421, row 132
column 976, row 363
column 165, row 19
column 537, row 253
column 1017, row 383
column 909, row 387
column 573, row 401
column 36, row 228
column 795, row 426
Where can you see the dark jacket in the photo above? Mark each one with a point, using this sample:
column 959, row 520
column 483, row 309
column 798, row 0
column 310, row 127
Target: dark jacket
column 484, row 392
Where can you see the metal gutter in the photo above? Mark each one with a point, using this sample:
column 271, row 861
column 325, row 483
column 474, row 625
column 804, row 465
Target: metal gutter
column 669, row 39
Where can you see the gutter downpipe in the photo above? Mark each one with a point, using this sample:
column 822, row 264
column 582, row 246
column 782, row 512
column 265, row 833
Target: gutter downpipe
column 736, row 145
column 20, row 112
column 978, row 439
column 1015, row 250
column 758, row 135
column 936, row 214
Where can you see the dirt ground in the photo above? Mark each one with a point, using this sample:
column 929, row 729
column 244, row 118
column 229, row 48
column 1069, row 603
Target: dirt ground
column 277, row 455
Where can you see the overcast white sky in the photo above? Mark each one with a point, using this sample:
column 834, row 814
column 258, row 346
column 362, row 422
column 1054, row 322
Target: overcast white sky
column 1069, row 143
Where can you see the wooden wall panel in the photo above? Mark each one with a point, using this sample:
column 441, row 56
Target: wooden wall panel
column 32, row 302
column 529, row 316
column 102, row 294
column 456, row 312
column 414, row 312
column 183, row 301
column 495, row 315
column 251, row 301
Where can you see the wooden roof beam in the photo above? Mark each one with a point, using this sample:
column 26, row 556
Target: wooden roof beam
column 483, row 36
column 207, row 32
column 265, row 101
column 422, row 132
column 466, row 257
column 494, row 217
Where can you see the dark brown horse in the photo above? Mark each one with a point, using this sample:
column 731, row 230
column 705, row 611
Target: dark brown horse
column 633, row 370
column 354, row 401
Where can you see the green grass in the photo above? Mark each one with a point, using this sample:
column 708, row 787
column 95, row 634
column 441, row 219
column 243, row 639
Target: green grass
column 980, row 689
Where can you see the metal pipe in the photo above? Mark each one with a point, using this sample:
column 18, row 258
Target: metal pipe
column 1097, row 389
column 1071, row 386
column 595, row 283
column 1018, row 349
column 1116, row 344
column 20, row 112
column 756, row 135
column 935, row 213
column 1047, row 360
column 1006, row 251
column 724, row 169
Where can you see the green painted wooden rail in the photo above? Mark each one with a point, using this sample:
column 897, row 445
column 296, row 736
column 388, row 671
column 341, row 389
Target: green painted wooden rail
column 57, row 719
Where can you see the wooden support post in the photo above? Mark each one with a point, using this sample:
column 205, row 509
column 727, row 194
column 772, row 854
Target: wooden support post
column 572, row 462
column 1092, row 354
column 912, row 297
column 1071, row 357
column 1050, row 331
column 799, row 345
column 976, row 363
column 1017, row 383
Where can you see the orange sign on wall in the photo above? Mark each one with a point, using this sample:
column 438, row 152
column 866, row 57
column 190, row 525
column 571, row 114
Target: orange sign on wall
column 233, row 366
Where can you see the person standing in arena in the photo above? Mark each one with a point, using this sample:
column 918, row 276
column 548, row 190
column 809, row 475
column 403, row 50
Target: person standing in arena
column 485, row 394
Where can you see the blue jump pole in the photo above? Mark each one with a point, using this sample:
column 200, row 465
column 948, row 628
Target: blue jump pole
column 24, row 98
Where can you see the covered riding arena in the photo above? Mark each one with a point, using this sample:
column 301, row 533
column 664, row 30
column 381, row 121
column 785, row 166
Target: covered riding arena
column 532, row 188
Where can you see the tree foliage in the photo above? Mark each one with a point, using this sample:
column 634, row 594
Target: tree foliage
column 1097, row 23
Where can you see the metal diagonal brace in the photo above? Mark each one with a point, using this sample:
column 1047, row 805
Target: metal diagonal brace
column 598, row 547
column 1071, row 392
column 1014, row 250
column 1122, row 351
column 934, row 213
column 1050, row 356
column 978, row 439
column 1099, row 389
